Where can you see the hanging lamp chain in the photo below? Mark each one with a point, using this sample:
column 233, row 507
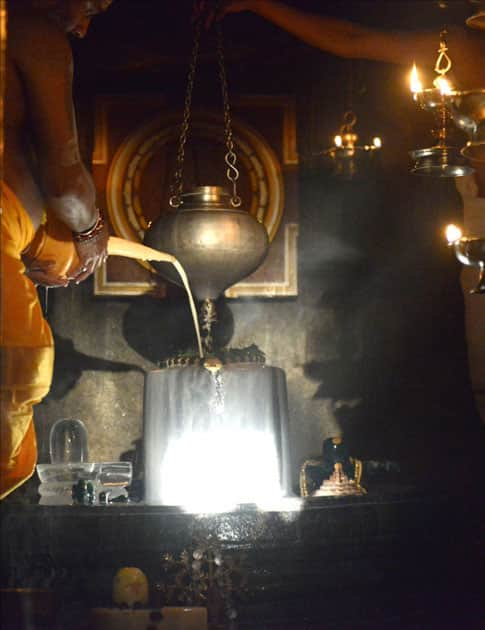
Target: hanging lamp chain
column 230, row 158
column 176, row 188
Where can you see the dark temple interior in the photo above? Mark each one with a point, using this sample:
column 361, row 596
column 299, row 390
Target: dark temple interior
column 358, row 303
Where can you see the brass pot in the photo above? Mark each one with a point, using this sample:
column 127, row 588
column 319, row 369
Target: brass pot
column 217, row 244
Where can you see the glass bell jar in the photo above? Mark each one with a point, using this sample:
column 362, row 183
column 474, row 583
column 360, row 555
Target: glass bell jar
column 68, row 442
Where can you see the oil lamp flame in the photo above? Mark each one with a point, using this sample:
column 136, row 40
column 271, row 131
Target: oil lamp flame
column 338, row 141
column 443, row 85
column 377, row 142
column 415, row 82
column 453, row 234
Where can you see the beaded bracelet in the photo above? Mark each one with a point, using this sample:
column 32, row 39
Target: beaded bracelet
column 80, row 237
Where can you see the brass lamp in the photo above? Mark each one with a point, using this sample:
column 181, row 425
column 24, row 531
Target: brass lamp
column 346, row 152
column 441, row 159
column 470, row 251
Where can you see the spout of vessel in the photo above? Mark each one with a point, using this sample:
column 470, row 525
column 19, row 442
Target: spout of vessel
column 213, row 364
column 130, row 249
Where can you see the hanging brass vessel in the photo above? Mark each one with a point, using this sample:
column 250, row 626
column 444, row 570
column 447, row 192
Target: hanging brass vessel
column 217, row 244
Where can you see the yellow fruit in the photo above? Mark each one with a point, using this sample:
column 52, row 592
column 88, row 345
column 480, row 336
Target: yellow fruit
column 130, row 587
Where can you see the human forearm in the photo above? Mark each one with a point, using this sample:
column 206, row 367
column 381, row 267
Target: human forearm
column 70, row 193
column 341, row 37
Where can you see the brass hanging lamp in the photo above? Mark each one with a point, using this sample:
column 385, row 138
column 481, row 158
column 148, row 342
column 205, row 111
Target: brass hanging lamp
column 346, row 152
column 441, row 159
column 346, row 155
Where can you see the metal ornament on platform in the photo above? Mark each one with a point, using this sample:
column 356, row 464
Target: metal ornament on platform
column 440, row 160
column 340, row 474
column 346, row 152
column 216, row 241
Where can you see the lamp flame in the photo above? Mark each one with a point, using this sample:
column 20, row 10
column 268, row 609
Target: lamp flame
column 415, row 82
column 338, row 141
column 453, row 233
column 443, row 85
column 377, row 142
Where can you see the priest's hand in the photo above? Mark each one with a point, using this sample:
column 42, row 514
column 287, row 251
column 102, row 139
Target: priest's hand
column 42, row 272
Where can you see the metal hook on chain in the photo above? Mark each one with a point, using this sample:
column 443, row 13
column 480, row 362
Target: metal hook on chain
column 232, row 174
column 443, row 62
column 230, row 158
column 349, row 119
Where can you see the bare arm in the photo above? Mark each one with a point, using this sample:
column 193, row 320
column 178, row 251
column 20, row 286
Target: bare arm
column 339, row 37
column 348, row 39
column 43, row 58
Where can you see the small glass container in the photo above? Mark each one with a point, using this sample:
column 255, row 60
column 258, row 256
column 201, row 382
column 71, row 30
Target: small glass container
column 68, row 442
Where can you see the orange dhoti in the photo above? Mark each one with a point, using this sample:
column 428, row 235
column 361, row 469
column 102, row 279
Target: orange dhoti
column 26, row 347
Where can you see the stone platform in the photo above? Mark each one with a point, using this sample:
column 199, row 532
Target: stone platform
column 390, row 559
